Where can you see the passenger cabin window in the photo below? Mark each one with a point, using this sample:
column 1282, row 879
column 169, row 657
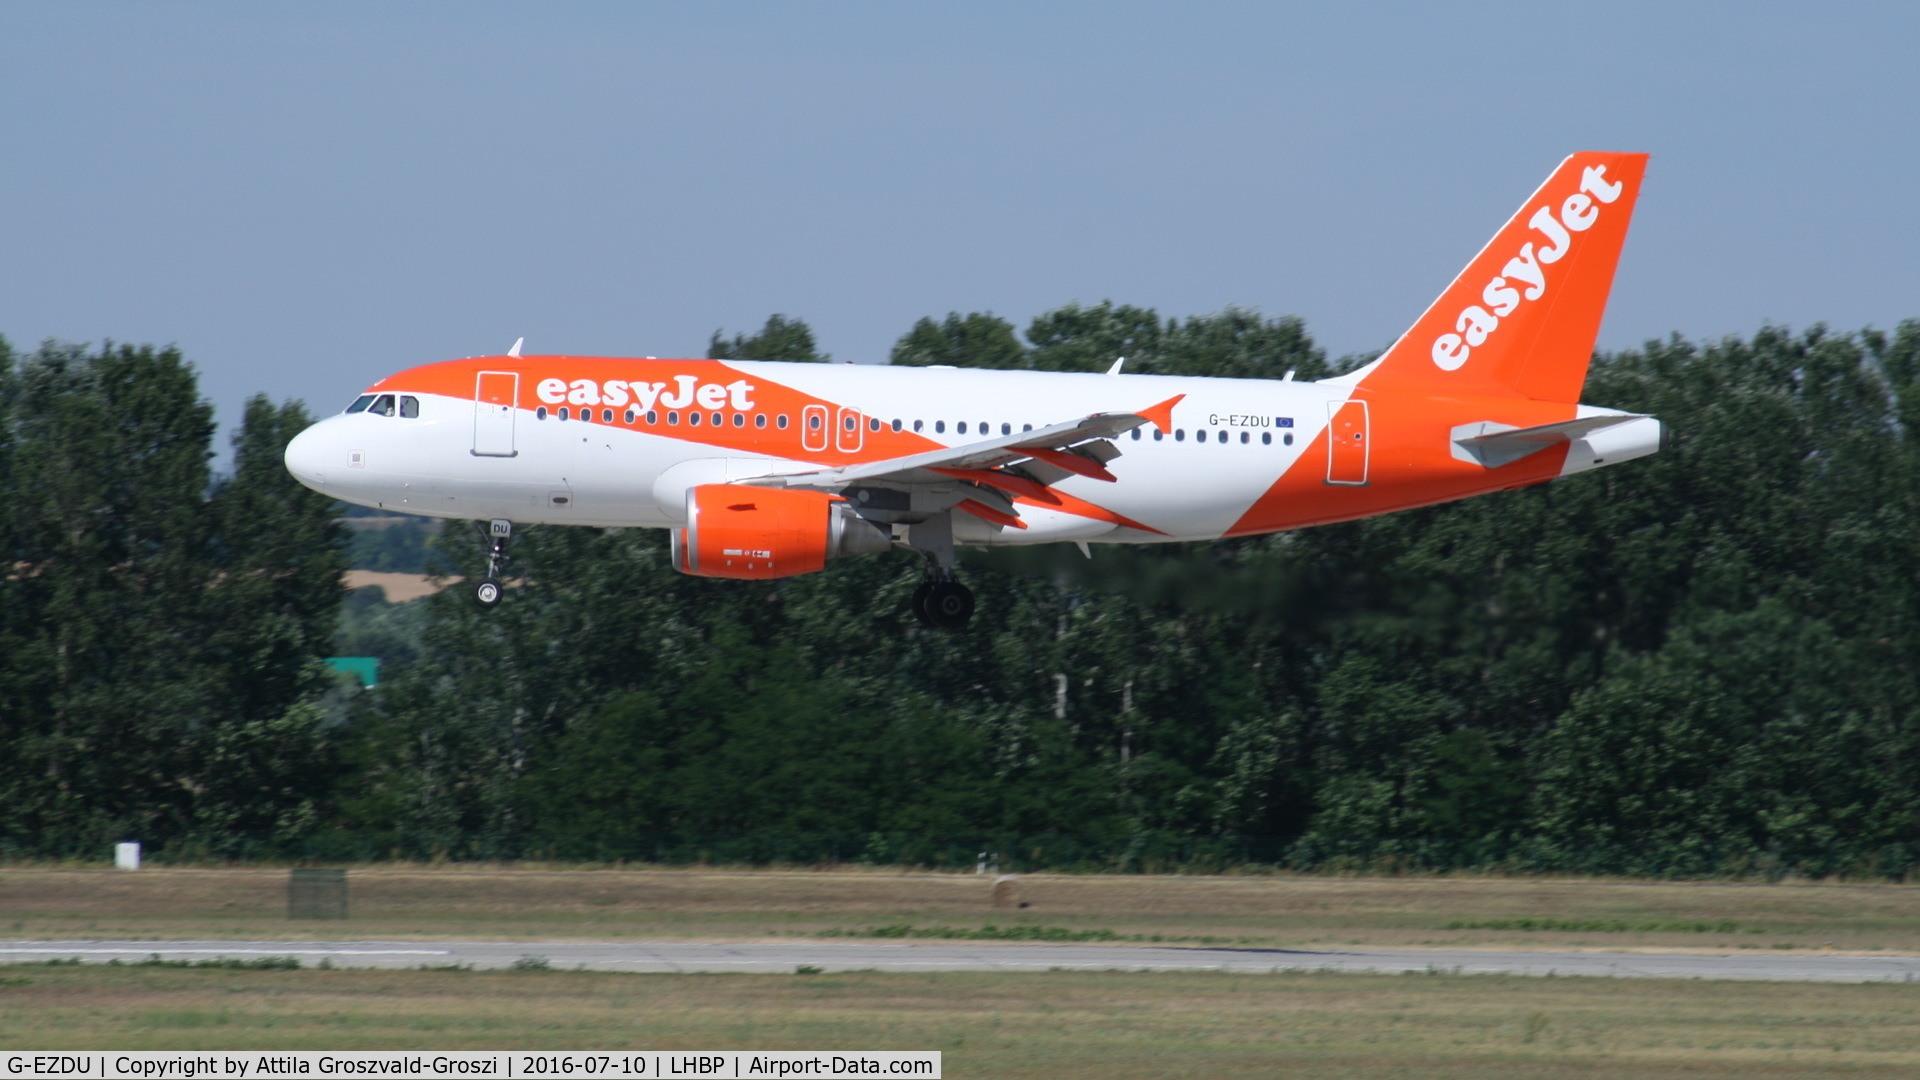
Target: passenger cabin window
column 563, row 412
column 383, row 405
column 360, row 403
column 781, row 422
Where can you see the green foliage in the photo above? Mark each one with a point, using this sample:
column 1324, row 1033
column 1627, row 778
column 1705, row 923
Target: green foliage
column 1235, row 343
column 780, row 339
column 980, row 340
column 396, row 545
column 161, row 646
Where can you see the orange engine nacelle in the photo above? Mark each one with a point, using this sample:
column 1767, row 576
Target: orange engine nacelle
column 736, row 531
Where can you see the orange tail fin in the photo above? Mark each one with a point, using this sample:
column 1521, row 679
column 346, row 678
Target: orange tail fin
column 1522, row 317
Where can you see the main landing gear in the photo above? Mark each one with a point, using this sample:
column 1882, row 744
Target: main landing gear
column 944, row 604
column 488, row 590
column 939, row 601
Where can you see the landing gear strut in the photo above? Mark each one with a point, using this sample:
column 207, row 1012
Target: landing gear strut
column 488, row 591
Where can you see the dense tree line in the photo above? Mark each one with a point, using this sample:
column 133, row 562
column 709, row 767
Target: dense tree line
column 161, row 635
column 1701, row 662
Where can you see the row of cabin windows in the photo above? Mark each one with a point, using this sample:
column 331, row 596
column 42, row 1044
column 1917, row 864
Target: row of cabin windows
column 1219, row 435
column 408, row 407
column 405, row 405
column 815, row 421
column 652, row 416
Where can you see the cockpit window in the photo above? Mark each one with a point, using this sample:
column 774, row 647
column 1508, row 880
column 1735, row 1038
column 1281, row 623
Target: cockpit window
column 382, row 405
column 409, row 407
column 360, row 403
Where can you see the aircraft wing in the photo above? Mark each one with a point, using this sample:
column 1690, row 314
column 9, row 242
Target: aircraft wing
column 1022, row 463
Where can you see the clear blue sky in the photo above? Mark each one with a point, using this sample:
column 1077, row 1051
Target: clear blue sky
column 307, row 196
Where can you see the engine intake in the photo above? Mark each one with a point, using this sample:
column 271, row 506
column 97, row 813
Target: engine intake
column 737, row 531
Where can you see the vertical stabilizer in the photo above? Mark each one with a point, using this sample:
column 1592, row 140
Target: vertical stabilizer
column 1521, row 319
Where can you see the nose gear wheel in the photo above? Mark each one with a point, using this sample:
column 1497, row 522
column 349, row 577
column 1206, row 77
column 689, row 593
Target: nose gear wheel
column 488, row 591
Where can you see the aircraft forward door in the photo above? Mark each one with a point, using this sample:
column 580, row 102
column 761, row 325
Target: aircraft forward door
column 1347, row 438
column 494, row 395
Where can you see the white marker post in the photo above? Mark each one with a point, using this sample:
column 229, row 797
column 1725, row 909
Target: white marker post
column 126, row 856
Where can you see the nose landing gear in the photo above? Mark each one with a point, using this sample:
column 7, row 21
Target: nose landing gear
column 488, row 590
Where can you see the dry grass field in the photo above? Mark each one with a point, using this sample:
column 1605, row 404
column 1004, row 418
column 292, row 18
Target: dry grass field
column 560, row 904
column 1057, row 1024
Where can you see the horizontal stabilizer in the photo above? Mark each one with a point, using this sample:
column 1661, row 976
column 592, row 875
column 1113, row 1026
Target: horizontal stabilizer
column 1493, row 445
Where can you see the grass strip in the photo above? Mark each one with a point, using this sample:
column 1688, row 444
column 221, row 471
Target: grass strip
column 1121, row 1024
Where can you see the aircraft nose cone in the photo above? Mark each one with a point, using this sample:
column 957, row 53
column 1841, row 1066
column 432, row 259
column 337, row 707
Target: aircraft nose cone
column 306, row 458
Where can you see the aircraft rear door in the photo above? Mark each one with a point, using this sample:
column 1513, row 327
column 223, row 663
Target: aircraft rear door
column 494, row 395
column 1347, row 437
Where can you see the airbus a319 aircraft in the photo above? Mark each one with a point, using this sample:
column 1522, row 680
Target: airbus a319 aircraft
column 766, row 470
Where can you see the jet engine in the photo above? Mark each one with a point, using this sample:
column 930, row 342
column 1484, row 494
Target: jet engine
column 737, row 531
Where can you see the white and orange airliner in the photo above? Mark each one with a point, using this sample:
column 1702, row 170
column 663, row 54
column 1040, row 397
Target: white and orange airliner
column 765, row 470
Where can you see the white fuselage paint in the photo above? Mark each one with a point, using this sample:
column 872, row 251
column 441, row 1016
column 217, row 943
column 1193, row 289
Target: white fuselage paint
column 1189, row 488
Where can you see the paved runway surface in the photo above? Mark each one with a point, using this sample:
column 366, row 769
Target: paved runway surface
column 681, row 956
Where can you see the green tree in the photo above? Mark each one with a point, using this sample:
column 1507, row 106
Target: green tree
column 977, row 340
column 780, row 339
column 1075, row 338
column 163, row 647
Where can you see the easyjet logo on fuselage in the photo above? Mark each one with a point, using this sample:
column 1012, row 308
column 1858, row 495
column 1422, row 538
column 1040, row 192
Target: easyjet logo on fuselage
column 687, row 391
column 1503, row 294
